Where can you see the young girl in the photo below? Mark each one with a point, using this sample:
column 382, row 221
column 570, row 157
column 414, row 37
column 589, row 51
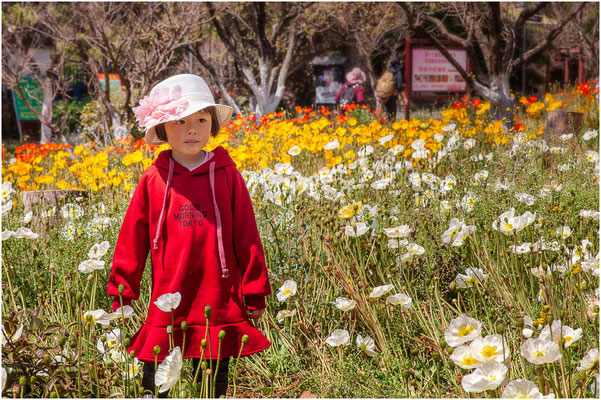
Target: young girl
column 192, row 210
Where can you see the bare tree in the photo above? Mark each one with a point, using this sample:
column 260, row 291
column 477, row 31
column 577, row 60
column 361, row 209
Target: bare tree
column 21, row 41
column 586, row 27
column 261, row 38
column 486, row 29
column 138, row 41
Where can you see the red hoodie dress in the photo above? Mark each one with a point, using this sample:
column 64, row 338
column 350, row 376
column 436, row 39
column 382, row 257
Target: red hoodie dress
column 200, row 227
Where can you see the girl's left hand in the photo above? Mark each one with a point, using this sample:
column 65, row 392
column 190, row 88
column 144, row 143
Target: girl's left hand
column 256, row 314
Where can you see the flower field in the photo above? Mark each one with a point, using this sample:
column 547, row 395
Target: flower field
column 436, row 257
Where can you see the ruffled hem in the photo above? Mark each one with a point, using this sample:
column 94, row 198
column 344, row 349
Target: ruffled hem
column 144, row 341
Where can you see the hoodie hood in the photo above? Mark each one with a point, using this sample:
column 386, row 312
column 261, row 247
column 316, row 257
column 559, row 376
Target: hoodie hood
column 220, row 159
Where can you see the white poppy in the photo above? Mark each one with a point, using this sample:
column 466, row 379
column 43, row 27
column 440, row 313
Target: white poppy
column 589, row 361
column 168, row 301
column 415, row 249
column 385, row 139
column 487, row 376
column 463, row 358
column 420, row 154
column 112, row 340
column 469, row 144
column 286, row 290
column 88, row 266
column 448, row 183
column 133, row 369
column 540, row 351
column 99, row 250
column 589, row 214
column 28, row 217
column 400, row 299
column 332, row 145
column 367, row 345
column 124, row 312
column 418, row 144
column 588, row 135
column 356, row 230
column 6, row 190
column 461, row 330
column 71, row 210
column 521, row 249
column 294, row 151
column 344, row 304
column 563, row 232
column 169, row 370
column 398, row 231
column 521, row 389
column 509, row 224
column 471, row 277
column 379, row 291
column 6, row 207
column 282, row 314
column 25, row 233
column 96, row 316
column 6, row 234
column 490, row 348
column 339, row 337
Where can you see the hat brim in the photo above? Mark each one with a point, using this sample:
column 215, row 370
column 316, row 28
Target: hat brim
column 224, row 114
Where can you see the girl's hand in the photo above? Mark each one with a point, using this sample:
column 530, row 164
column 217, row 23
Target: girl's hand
column 256, row 314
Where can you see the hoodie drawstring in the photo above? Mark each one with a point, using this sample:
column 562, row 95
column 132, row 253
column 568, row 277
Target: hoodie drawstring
column 155, row 242
column 225, row 273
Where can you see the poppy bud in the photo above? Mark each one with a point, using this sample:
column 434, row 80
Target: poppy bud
column 121, row 288
column 126, row 342
column 169, row 329
column 203, row 344
column 156, row 349
column 222, row 334
column 184, row 326
column 208, row 312
column 244, row 339
column 132, row 353
column 500, row 328
column 23, row 381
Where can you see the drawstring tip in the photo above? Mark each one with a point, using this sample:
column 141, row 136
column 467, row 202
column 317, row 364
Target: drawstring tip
column 155, row 246
column 225, row 274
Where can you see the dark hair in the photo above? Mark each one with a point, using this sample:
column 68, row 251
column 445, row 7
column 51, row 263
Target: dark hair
column 162, row 134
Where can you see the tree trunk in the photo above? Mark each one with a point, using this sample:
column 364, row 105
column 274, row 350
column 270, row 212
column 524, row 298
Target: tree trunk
column 120, row 130
column 499, row 95
column 47, row 103
column 38, row 200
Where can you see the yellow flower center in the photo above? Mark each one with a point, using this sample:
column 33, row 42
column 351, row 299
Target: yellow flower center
column 568, row 338
column 464, row 331
column 489, row 351
column 540, row 353
column 287, row 291
column 508, row 226
column 490, row 378
column 470, row 282
column 468, row 360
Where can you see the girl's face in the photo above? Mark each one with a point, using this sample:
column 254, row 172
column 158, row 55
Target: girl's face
column 189, row 135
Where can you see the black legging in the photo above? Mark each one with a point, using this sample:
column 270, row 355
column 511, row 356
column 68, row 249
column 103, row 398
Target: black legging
column 390, row 105
column 220, row 384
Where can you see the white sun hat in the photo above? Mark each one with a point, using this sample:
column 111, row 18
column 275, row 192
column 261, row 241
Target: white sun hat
column 175, row 98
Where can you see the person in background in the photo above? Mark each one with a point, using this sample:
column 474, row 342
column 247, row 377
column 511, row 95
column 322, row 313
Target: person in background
column 352, row 91
column 389, row 86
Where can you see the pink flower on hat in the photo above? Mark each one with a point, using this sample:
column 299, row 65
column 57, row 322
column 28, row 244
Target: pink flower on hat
column 160, row 106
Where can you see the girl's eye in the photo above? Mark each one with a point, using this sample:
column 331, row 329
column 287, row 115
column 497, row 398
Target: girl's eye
column 202, row 120
column 181, row 122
